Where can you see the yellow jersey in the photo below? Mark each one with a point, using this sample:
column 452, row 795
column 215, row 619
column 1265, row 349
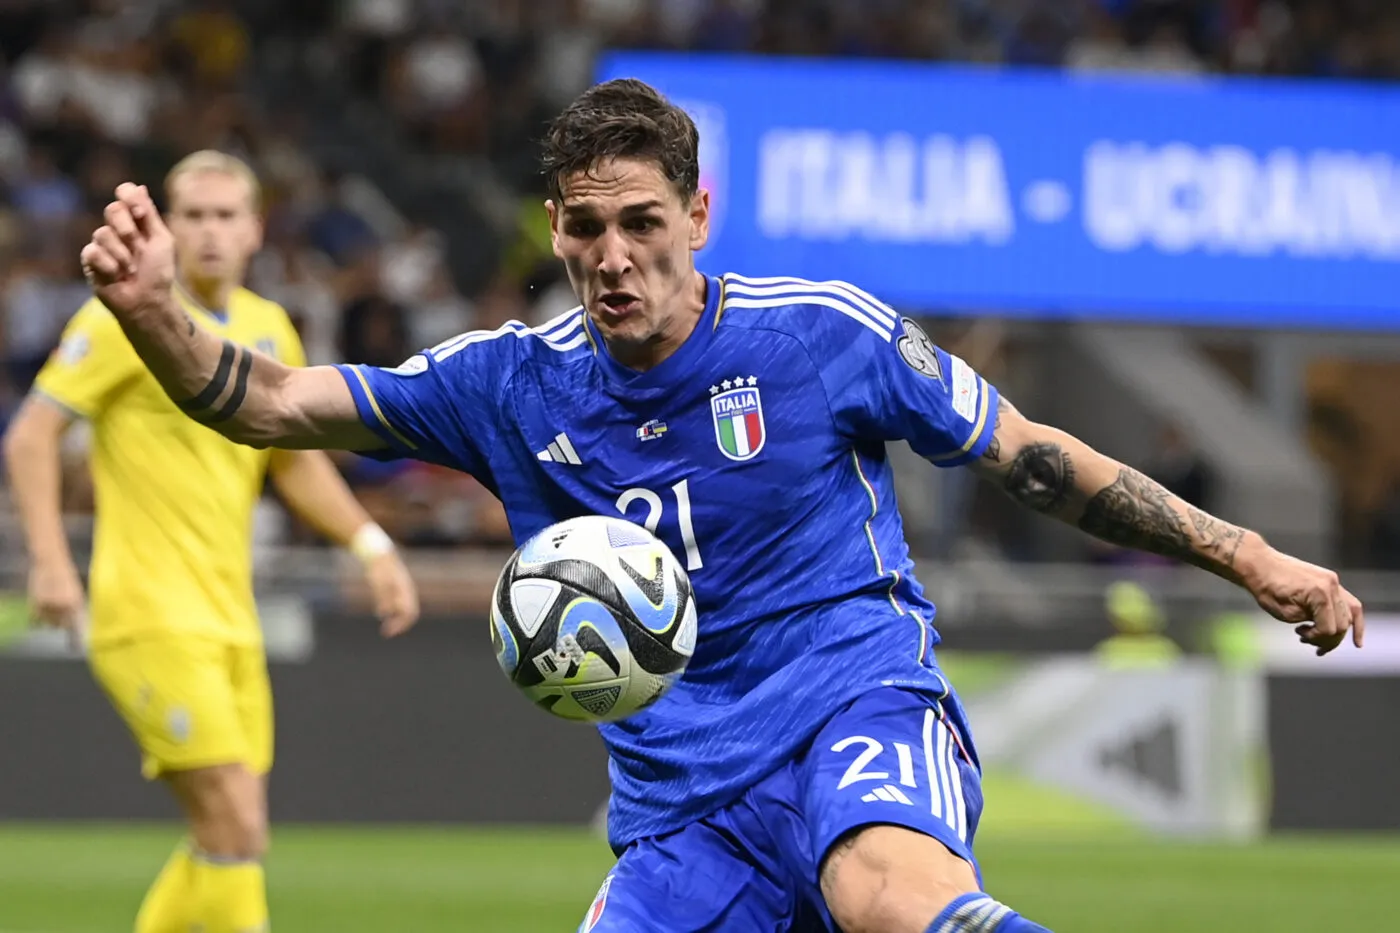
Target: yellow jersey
column 172, row 541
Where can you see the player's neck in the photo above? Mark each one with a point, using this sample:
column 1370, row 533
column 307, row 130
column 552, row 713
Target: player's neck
column 211, row 295
column 690, row 307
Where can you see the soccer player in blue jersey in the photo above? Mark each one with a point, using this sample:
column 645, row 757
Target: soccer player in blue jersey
column 813, row 770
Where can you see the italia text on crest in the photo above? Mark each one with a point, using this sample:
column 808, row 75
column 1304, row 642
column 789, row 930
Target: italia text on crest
column 737, row 409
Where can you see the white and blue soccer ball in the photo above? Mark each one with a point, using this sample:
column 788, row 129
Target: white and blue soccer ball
column 593, row 619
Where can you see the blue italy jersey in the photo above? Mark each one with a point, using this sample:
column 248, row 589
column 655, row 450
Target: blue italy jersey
column 757, row 453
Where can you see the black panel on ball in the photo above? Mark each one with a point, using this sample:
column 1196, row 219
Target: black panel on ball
column 501, row 597
column 653, row 652
column 584, row 576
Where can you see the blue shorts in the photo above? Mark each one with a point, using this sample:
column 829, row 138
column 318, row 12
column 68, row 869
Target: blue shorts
column 895, row 756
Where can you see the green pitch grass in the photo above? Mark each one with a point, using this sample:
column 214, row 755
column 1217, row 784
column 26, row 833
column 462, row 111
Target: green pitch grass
column 89, row 879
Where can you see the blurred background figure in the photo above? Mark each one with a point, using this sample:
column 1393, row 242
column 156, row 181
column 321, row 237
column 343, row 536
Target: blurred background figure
column 1138, row 642
column 173, row 635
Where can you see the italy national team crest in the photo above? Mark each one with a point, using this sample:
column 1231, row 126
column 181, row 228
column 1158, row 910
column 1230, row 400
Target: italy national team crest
column 595, row 911
column 737, row 408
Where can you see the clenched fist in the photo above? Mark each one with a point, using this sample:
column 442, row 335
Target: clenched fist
column 130, row 261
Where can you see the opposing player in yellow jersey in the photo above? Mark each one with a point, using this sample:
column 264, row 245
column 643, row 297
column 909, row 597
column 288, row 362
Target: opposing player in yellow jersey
column 174, row 639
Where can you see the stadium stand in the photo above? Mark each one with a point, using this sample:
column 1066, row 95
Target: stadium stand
column 395, row 140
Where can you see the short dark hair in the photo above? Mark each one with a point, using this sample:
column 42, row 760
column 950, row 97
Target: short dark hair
column 622, row 119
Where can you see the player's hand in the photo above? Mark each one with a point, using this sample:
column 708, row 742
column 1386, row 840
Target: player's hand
column 394, row 593
column 130, row 261
column 56, row 597
column 1292, row 590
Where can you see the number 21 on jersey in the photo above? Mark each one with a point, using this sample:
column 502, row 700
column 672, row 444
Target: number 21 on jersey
column 655, row 509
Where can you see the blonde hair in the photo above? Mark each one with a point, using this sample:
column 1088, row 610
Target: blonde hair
column 211, row 160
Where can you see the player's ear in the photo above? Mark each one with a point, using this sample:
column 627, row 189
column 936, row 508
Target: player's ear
column 699, row 219
column 552, row 210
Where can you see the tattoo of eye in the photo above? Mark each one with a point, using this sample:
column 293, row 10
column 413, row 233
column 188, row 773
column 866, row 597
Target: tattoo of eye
column 201, row 406
column 1041, row 477
column 189, row 324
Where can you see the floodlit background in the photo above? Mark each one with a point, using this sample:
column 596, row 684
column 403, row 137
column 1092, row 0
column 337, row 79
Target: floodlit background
column 1170, row 226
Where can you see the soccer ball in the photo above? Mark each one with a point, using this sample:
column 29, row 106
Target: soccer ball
column 593, row 619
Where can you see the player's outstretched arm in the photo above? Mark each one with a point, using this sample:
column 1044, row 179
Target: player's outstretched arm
column 313, row 488
column 245, row 395
column 1052, row 472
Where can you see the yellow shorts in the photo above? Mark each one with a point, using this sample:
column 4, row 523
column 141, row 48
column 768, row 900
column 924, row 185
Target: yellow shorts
column 190, row 702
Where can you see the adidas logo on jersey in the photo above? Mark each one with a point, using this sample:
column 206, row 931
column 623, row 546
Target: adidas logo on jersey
column 559, row 451
column 890, row 794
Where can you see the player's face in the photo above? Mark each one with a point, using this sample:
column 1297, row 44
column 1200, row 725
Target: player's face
column 215, row 226
column 627, row 239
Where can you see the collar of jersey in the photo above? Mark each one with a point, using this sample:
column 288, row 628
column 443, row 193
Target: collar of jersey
column 665, row 372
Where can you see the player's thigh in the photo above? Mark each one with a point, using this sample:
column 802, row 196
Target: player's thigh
column 892, row 801
column 176, row 696
column 696, row 880
column 226, row 808
column 891, row 879
column 252, row 692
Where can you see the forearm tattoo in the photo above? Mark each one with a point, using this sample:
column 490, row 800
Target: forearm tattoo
column 1136, row 512
column 1041, row 477
column 235, row 364
column 1220, row 540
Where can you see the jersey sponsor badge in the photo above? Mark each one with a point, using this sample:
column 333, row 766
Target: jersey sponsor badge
column 918, row 350
column 737, row 408
column 965, row 390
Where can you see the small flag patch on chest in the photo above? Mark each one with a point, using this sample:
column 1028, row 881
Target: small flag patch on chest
column 738, row 416
column 651, row 430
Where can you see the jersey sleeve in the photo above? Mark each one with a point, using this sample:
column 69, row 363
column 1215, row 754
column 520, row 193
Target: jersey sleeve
column 441, row 405
column 886, row 380
column 94, row 360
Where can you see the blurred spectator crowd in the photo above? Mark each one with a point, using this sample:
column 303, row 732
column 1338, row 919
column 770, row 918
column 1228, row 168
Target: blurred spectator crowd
column 395, row 140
